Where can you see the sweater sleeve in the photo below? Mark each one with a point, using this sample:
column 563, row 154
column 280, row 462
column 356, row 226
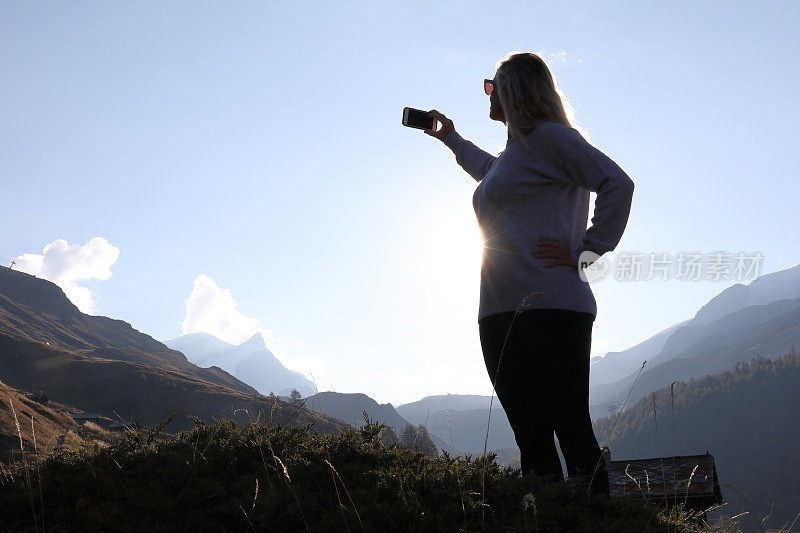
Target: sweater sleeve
column 591, row 169
column 471, row 158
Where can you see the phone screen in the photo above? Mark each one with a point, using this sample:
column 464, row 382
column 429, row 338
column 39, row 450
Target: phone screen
column 419, row 119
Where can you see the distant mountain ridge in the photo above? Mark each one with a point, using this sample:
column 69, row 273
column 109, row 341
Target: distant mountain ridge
column 737, row 324
column 469, row 416
column 251, row 362
column 608, row 369
column 204, row 350
column 708, row 348
column 348, row 407
column 784, row 284
column 454, row 402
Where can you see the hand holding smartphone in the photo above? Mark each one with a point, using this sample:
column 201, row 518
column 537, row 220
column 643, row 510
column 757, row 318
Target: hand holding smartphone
column 417, row 118
column 426, row 120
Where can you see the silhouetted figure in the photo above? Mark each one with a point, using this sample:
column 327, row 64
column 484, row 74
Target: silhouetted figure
column 536, row 317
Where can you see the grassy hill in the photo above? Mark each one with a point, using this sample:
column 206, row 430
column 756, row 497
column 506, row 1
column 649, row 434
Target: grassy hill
column 270, row 477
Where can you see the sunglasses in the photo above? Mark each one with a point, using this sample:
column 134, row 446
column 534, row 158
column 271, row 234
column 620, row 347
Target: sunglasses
column 488, row 86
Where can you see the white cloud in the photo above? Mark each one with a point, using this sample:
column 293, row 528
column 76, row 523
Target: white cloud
column 211, row 309
column 66, row 265
column 561, row 57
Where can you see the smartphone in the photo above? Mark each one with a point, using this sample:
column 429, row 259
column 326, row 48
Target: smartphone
column 416, row 118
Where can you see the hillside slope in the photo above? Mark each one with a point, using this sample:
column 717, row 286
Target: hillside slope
column 727, row 326
column 348, row 407
column 37, row 310
column 705, row 348
column 41, row 427
column 102, row 365
column 139, row 392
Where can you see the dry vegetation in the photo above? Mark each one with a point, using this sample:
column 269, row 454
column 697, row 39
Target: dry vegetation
column 268, row 476
column 40, row 428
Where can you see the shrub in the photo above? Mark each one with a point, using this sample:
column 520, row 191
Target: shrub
column 266, row 476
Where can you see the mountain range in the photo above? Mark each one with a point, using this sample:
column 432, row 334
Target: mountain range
column 36, row 310
column 99, row 364
column 348, row 407
column 251, row 362
column 741, row 322
column 468, row 418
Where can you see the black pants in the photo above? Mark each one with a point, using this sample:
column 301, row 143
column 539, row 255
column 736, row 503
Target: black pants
column 543, row 384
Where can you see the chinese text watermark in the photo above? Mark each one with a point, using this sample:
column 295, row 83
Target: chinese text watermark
column 684, row 266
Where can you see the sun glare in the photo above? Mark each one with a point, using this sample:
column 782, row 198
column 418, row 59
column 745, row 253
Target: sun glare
column 455, row 250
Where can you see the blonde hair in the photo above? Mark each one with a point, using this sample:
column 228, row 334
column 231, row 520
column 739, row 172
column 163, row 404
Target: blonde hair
column 529, row 95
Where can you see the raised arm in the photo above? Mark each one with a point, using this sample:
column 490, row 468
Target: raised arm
column 591, row 169
column 471, row 158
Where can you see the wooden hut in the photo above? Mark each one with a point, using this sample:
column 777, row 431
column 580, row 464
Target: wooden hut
column 37, row 397
column 82, row 418
column 688, row 479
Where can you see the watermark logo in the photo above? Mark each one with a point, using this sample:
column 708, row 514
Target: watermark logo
column 688, row 266
column 591, row 267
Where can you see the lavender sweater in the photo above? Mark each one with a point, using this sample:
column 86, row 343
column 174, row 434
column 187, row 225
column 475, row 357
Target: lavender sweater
column 523, row 197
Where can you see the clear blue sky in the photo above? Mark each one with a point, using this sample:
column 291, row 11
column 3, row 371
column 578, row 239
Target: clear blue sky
column 260, row 145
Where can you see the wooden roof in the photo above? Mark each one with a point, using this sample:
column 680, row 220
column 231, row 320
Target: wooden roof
column 685, row 477
column 118, row 425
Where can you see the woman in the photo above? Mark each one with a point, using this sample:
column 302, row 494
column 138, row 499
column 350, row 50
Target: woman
column 536, row 313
